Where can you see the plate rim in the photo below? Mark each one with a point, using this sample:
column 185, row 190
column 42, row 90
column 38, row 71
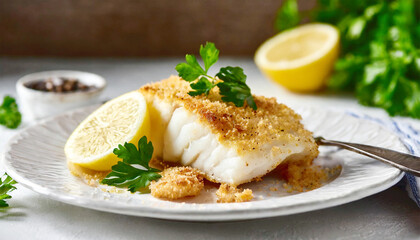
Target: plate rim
column 232, row 214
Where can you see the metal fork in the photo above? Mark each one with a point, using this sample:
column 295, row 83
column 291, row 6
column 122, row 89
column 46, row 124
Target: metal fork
column 405, row 162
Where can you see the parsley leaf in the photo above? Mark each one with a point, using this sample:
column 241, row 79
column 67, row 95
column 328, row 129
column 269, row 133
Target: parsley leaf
column 6, row 186
column 210, row 54
column 202, row 86
column 233, row 88
column 229, row 80
column 9, row 113
column 190, row 70
column 133, row 171
column 232, row 74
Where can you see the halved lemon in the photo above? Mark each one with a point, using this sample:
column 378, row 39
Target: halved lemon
column 123, row 119
column 300, row 59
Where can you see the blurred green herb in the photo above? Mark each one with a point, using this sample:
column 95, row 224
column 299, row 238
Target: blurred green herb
column 6, row 186
column 287, row 16
column 133, row 171
column 9, row 113
column 230, row 80
column 380, row 49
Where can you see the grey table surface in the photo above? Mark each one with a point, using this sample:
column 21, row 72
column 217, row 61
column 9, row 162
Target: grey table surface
column 386, row 215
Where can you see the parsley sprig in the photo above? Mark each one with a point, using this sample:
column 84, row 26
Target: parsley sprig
column 133, row 171
column 229, row 80
column 380, row 49
column 6, row 186
column 9, row 113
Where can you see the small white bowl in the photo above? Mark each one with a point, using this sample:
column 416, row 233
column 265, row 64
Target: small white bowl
column 36, row 104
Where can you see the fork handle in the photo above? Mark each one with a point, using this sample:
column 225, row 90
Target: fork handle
column 405, row 162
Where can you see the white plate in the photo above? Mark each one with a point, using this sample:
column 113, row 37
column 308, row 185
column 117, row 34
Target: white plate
column 35, row 158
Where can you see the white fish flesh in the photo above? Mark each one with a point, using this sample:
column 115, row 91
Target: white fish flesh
column 229, row 144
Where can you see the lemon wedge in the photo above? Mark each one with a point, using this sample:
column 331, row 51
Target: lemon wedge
column 123, row 119
column 300, row 59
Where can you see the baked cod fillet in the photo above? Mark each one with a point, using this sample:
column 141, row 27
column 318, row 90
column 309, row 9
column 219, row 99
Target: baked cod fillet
column 229, row 144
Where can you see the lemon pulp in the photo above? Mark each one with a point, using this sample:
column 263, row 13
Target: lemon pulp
column 123, row 119
column 300, row 59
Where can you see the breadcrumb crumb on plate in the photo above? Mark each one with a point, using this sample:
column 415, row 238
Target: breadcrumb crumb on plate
column 178, row 182
column 230, row 194
column 90, row 177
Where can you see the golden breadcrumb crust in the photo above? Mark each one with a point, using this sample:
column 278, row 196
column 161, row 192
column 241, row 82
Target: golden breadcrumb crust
column 241, row 127
column 231, row 194
column 178, row 182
